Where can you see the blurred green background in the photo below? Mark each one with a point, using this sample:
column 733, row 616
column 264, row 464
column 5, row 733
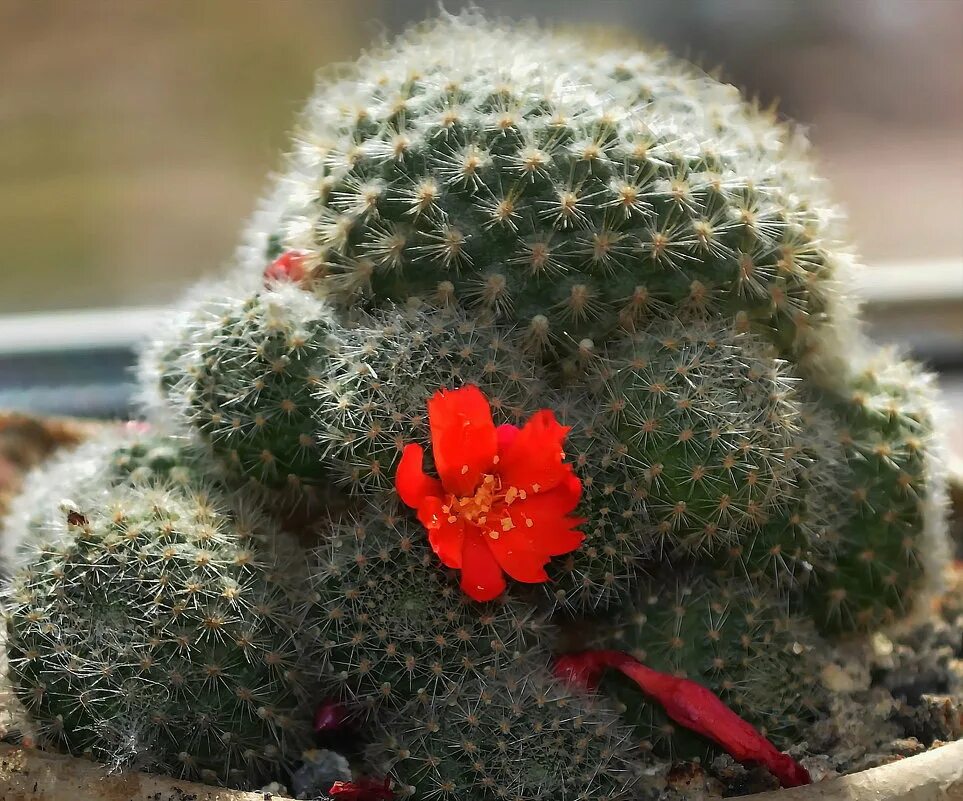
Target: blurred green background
column 136, row 135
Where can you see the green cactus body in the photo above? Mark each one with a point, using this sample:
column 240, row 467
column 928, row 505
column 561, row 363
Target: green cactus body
column 383, row 370
column 717, row 632
column 518, row 735
column 599, row 575
column 802, row 531
column 711, row 422
column 158, row 632
column 287, row 397
column 118, row 456
column 570, row 197
column 609, row 235
column 246, row 385
column 154, row 458
column 390, row 623
column 876, row 567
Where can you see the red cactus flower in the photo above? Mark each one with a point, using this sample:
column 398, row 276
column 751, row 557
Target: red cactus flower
column 363, row 790
column 504, row 495
column 689, row 704
column 289, row 266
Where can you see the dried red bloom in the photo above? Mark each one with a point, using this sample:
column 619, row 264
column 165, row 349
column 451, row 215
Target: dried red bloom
column 504, row 496
column 75, row 518
column 688, row 704
column 289, row 266
column 363, row 790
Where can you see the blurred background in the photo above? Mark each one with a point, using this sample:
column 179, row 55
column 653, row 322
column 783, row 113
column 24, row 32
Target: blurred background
column 135, row 138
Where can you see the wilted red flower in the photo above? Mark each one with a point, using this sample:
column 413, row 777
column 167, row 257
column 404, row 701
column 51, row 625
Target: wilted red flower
column 689, row 704
column 504, row 495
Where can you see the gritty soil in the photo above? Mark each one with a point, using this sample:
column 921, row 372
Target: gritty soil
column 893, row 697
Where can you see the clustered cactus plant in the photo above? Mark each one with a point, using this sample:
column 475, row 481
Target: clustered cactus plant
column 155, row 628
column 606, row 234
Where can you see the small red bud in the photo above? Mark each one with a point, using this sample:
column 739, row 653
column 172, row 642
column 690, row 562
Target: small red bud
column 331, row 715
column 289, row 266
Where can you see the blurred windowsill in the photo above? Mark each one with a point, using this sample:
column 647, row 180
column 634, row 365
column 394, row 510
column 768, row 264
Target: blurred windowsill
column 911, row 282
column 888, row 290
column 82, row 329
column 81, row 362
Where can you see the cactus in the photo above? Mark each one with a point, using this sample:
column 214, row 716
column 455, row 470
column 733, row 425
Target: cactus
column 697, row 444
column 383, row 368
column 158, row 632
column 782, row 551
column 445, row 169
column 391, row 624
column 117, row 456
column 710, row 420
column 605, row 244
column 242, row 375
column 284, row 396
column 715, row 630
column 370, row 380
column 601, row 573
column 893, row 497
column 519, row 735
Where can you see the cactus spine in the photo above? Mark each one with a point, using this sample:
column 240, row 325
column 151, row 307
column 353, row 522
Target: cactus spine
column 157, row 632
column 391, row 624
column 606, row 234
column 517, row 735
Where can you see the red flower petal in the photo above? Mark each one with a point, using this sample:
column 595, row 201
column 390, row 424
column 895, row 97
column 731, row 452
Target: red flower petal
column 564, row 538
column 463, row 438
column 506, row 434
column 550, row 535
column 446, row 537
column 363, row 790
column 411, row 481
column 481, row 576
column 543, row 520
column 561, row 500
column 521, row 563
column 526, row 502
column 533, row 461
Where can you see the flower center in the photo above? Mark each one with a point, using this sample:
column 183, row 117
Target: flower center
column 476, row 508
column 487, row 507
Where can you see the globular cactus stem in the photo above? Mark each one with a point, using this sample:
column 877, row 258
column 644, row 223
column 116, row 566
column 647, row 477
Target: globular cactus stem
column 158, row 632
